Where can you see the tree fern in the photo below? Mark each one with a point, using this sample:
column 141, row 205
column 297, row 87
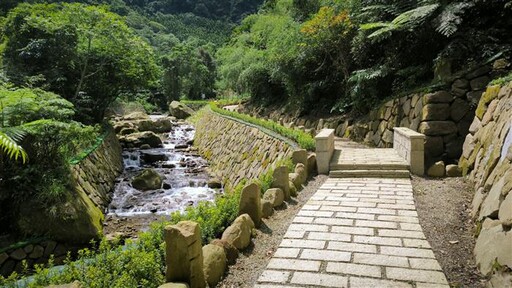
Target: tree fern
column 8, row 145
column 451, row 17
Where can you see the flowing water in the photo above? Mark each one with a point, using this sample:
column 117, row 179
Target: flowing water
column 184, row 172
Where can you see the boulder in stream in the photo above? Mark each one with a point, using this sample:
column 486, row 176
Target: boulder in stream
column 180, row 110
column 149, row 179
column 141, row 138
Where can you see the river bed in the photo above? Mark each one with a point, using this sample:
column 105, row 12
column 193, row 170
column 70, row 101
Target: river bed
column 184, row 183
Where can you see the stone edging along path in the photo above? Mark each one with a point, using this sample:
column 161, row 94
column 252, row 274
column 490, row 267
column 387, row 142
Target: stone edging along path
column 356, row 232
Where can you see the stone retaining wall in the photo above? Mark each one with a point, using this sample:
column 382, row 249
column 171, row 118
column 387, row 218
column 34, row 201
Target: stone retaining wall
column 443, row 116
column 236, row 151
column 486, row 158
column 81, row 216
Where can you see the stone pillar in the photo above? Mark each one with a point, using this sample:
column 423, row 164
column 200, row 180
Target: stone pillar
column 280, row 180
column 184, row 254
column 324, row 150
column 250, row 203
column 409, row 145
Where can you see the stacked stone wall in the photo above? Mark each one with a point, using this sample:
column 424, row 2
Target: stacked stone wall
column 486, row 159
column 237, row 151
column 93, row 180
column 444, row 116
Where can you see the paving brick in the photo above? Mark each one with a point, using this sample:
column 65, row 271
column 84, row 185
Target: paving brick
column 308, row 227
column 294, row 234
column 315, row 213
column 380, row 200
column 303, row 220
column 361, row 195
column 407, row 213
column 356, row 282
column 416, row 275
column 325, row 255
column 355, row 216
column 353, row 269
column 376, row 224
column 417, row 243
column 389, row 241
column 287, row 253
column 396, row 206
column 272, row 286
column 338, row 208
column 329, row 236
column 341, row 199
column 334, row 221
column 376, row 211
column 352, row 247
column 407, row 219
column 378, row 259
column 326, row 280
column 353, row 230
column 411, row 252
column 358, row 204
column 310, row 207
column 274, row 276
column 410, row 226
column 406, row 202
column 401, row 233
column 427, row 264
column 396, row 197
column 300, row 243
column 293, row 264
column 431, row 285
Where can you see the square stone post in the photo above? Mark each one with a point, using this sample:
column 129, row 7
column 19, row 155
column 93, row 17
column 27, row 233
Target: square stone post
column 184, row 254
column 410, row 145
column 324, row 149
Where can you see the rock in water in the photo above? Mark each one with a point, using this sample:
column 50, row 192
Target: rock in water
column 149, row 179
column 214, row 264
column 180, row 110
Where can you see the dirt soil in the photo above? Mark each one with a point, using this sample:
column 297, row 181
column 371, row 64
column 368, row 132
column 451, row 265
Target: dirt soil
column 443, row 207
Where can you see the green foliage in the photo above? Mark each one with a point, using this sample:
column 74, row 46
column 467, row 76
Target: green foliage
column 213, row 218
column 99, row 56
column 9, row 145
column 304, row 140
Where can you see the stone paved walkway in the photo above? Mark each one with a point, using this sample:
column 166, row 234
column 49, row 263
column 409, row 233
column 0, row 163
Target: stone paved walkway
column 356, row 232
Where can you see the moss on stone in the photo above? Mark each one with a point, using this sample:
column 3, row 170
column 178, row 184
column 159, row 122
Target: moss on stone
column 491, row 93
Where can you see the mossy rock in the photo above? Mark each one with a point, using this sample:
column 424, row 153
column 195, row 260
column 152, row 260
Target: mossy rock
column 491, row 93
column 149, row 179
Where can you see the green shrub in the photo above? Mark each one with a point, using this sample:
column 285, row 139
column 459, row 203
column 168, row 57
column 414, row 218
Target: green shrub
column 304, row 140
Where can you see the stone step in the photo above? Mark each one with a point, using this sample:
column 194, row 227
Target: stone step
column 369, row 166
column 369, row 174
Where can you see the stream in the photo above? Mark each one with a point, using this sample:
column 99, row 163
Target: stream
column 184, row 183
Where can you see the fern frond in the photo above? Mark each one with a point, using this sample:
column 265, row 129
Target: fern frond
column 375, row 25
column 451, row 17
column 11, row 148
column 415, row 17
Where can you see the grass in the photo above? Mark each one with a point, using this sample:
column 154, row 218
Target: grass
column 305, row 140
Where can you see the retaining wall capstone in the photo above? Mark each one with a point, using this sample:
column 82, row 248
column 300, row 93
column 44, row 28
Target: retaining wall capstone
column 237, row 151
column 486, row 158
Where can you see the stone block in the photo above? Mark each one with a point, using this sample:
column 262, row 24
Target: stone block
column 229, row 249
column 491, row 204
column 267, row 208
column 174, row 285
column 214, row 264
column 505, row 212
column 436, row 112
column 434, row 146
column 453, row 171
column 275, row 196
column 438, row 128
column 459, row 109
column 239, row 233
column 184, row 256
column 479, row 83
column 493, row 245
column 436, row 170
column 300, row 156
column 474, row 97
column 324, row 149
column 438, row 97
column 280, row 180
column 250, row 203
column 311, row 165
